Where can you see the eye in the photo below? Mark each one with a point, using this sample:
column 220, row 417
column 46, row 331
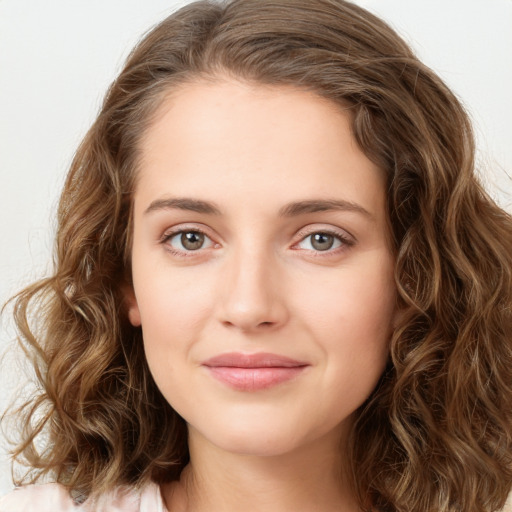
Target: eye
column 186, row 241
column 322, row 241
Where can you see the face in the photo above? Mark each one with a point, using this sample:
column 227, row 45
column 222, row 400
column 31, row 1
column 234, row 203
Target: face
column 262, row 272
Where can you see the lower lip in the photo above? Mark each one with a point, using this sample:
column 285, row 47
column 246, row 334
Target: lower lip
column 254, row 379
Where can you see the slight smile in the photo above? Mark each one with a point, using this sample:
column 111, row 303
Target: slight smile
column 253, row 372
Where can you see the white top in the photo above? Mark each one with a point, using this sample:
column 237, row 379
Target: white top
column 55, row 498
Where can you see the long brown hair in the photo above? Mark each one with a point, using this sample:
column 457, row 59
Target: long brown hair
column 436, row 433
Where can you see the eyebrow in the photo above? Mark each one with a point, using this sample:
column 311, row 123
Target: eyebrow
column 184, row 203
column 289, row 210
column 322, row 205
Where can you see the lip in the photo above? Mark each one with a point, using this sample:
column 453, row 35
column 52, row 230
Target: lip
column 253, row 372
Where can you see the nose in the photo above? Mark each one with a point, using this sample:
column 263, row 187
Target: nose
column 253, row 297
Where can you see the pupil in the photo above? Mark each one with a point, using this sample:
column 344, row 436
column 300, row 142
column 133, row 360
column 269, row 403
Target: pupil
column 322, row 241
column 192, row 240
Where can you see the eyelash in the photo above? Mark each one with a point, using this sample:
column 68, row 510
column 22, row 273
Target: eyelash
column 345, row 241
column 168, row 236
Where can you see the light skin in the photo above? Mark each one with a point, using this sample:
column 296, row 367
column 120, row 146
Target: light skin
column 261, row 227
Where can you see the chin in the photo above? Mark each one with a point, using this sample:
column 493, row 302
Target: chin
column 274, row 437
column 266, row 444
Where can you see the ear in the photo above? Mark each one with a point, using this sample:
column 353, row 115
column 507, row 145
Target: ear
column 132, row 308
column 398, row 315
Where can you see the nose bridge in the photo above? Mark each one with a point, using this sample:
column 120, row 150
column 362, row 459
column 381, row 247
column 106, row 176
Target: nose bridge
column 253, row 296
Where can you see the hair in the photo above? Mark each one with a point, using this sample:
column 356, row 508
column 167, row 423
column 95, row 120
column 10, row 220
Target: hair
column 436, row 433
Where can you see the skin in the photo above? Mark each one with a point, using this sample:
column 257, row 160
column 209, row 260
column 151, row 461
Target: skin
column 259, row 283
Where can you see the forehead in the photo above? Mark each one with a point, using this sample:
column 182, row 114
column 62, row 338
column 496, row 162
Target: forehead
column 232, row 139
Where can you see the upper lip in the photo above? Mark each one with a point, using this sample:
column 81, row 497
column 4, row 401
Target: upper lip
column 258, row 360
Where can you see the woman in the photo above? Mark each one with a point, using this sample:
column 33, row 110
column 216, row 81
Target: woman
column 278, row 283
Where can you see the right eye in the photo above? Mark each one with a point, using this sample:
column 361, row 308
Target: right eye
column 188, row 241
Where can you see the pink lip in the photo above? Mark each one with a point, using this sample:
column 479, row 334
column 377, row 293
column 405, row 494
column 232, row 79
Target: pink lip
column 253, row 372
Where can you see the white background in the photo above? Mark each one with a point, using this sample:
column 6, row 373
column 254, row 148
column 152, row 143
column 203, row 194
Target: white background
column 57, row 58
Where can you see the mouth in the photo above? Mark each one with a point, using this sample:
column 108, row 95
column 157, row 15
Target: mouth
column 253, row 372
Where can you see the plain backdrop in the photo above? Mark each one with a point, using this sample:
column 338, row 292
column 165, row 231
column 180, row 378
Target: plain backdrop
column 57, row 58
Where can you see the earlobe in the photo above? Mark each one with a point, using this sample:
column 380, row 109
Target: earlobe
column 132, row 308
column 398, row 316
column 134, row 315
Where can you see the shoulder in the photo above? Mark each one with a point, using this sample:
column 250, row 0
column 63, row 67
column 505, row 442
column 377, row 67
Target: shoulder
column 55, row 498
column 508, row 505
column 45, row 497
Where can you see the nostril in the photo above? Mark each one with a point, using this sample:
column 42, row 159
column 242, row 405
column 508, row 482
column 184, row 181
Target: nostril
column 263, row 325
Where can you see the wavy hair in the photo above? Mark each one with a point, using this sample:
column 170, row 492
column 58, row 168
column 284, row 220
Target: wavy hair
column 436, row 434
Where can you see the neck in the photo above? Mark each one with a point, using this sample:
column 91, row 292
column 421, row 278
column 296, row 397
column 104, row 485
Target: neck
column 308, row 479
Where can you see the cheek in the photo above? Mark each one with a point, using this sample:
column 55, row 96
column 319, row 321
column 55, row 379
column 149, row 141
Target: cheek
column 358, row 301
column 174, row 299
column 174, row 307
column 172, row 313
column 351, row 317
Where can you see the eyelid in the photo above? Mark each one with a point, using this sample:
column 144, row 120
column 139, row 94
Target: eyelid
column 347, row 239
column 173, row 231
column 185, row 227
column 328, row 229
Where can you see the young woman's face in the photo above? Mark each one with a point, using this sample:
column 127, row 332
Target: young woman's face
column 262, row 271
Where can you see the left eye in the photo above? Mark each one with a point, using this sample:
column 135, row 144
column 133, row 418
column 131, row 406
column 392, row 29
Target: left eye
column 189, row 241
column 320, row 241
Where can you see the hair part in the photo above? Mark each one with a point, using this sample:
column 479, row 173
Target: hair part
column 436, row 433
